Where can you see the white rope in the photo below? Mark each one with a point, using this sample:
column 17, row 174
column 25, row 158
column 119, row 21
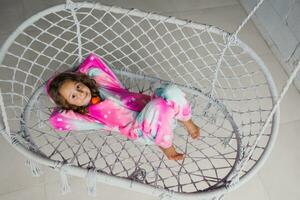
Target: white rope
column 290, row 6
column 235, row 177
column 247, row 18
column 34, row 168
column 232, row 39
column 4, row 116
column 218, row 67
column 92, row 182
column 69, row 4
column 275, row 107
column 173, row 56
column 65, row 186
column 220, row 197
column 166, row 195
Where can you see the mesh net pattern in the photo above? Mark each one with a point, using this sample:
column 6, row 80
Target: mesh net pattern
column 148, row 45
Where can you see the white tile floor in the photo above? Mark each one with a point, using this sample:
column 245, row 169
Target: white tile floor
column 278, row 179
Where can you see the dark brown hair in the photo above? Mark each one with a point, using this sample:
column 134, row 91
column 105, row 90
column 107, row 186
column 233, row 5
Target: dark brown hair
column 59, row 80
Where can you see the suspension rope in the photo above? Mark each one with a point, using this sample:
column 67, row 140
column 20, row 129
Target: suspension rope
column 235, row 177
column 115, row 156
column 70, row 5
column 282, row 94
column 232, row 39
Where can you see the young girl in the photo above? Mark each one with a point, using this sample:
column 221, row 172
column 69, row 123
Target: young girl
column 93, row 98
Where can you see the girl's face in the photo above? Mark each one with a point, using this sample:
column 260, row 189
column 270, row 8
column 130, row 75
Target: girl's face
column 76, row 93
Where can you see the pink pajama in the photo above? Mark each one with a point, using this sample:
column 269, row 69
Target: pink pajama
column 134, row 115
column 157, row 119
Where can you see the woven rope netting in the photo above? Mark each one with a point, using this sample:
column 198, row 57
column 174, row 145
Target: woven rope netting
column 231, row 92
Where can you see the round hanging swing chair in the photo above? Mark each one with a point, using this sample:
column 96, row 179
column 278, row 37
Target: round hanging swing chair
column 228, row 85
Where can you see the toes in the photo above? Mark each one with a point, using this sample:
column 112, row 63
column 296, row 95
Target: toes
column 193, row 130
column 178, row 156
column 196, row 134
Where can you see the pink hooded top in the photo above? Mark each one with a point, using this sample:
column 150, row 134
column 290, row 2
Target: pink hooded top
column 118, row 109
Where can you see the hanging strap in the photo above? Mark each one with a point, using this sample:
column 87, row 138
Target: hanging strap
column 65, row 187
column 72, row 6
column 34, row 167
column 91, row 182
column 231, row 40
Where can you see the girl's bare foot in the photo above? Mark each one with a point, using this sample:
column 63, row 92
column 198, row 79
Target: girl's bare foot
column 172, row 154
column 193, row 129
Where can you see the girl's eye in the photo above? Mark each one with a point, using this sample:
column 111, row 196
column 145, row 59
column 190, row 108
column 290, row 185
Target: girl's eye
column 73, row 96
column 78, row 86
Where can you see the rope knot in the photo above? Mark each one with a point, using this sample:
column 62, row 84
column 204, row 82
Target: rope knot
column 232, row 39
column 231, row 184
column 70, row 5
column 138, row 175
column 166, row 195
column 225, row 141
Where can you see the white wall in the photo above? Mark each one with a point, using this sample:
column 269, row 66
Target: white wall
column 279, row 23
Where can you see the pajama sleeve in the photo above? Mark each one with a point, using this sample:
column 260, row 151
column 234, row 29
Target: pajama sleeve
column 176, row 99
column 100, row 72
column 70, row 120
column 103, row 75
column 96, row 68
